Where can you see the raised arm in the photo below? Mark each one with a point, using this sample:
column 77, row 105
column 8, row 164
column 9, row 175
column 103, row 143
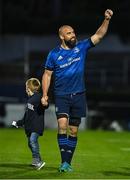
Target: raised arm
column 100, row 33
column 46, row 79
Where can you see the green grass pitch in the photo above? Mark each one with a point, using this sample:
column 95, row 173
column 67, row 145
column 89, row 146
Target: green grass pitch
column 99, row 155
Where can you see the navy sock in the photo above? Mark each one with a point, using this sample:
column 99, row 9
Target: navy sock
column 71, row 145
column 62, row 142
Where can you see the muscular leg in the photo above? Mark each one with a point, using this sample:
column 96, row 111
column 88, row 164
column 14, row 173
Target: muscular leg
column 72, row 142
column 62, row 137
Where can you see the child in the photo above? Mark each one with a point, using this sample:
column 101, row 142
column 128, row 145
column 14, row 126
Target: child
column 33, row 120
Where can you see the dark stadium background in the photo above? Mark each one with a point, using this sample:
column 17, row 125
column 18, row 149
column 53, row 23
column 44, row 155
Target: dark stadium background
column 28, row 31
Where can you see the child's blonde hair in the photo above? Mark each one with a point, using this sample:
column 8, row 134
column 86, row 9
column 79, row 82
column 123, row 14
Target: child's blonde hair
column 33, row 84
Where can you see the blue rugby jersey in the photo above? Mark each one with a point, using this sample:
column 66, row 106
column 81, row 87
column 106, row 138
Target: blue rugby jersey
column 68, row 67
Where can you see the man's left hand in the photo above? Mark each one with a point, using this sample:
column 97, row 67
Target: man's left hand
column 108, row 14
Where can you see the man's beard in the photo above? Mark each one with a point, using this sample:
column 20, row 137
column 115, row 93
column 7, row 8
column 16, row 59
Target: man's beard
column 71, row 43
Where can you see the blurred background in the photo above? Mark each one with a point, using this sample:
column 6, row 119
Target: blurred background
column 28, row 31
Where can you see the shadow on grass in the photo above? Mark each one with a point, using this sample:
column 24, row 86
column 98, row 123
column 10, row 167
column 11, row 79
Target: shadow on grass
column 111, row 173
column 24, row 166
column 16, row 165
column 126, row 168
column 16, row 170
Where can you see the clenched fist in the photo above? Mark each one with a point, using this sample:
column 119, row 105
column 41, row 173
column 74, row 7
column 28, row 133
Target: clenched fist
column 108, row 14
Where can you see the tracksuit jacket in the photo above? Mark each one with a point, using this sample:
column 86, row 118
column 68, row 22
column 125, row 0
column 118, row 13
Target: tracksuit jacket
column 33, row 119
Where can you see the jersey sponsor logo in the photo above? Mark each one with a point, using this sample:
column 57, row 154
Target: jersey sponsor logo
column 30, row 106
column 70, row 59
column 60, row 58
column 69, row 63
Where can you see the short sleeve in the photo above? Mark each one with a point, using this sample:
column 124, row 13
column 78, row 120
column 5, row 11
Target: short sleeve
column 49, row 64
column 87, row 44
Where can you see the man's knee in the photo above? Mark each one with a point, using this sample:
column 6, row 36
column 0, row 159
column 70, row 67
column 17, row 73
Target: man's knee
column 74, row 123
column 62, row 125
column 73, row 131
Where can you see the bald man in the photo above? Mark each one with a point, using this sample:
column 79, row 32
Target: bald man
column 67, row 62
